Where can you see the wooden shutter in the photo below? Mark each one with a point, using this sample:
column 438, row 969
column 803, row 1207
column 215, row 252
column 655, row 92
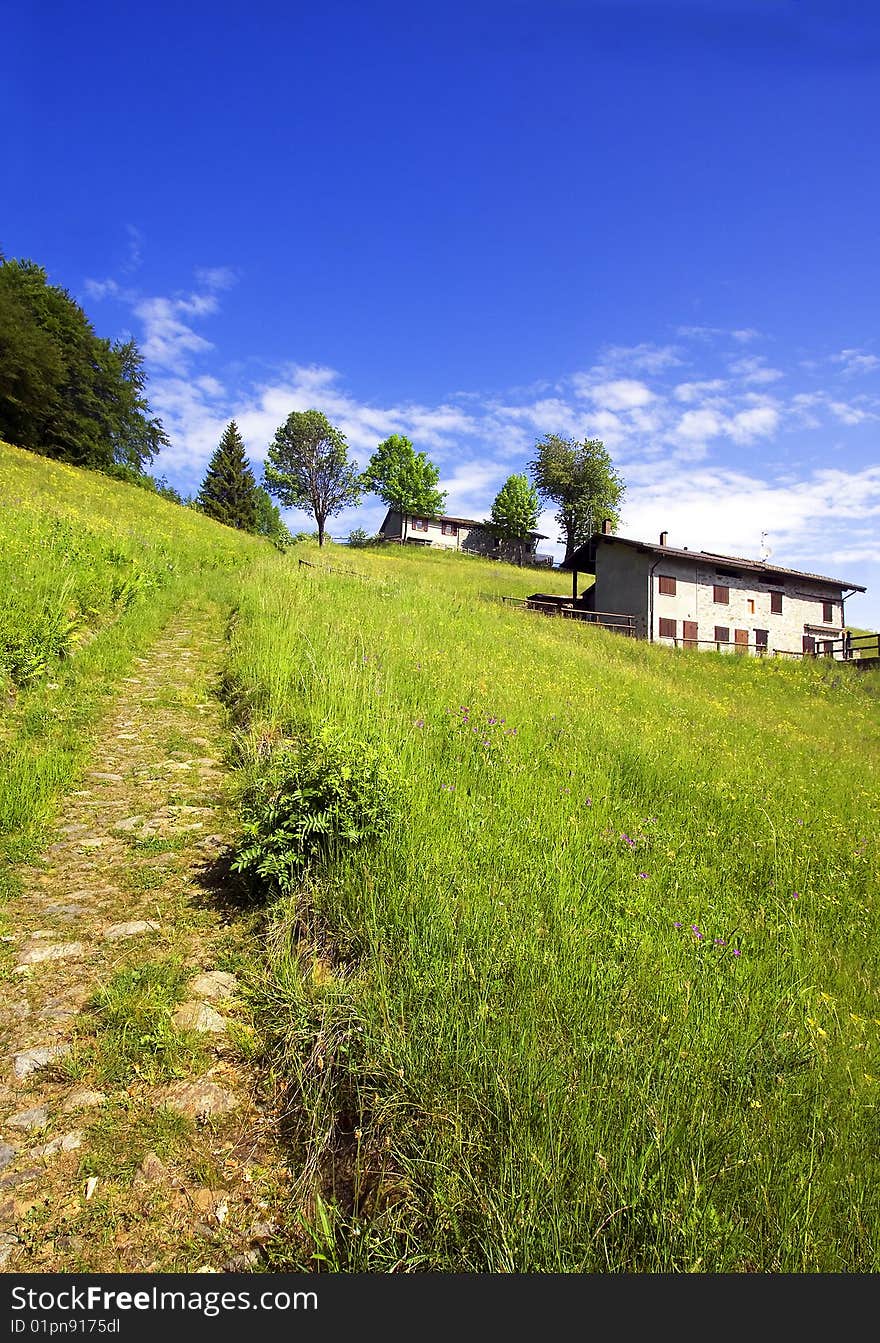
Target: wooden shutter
column 828, row 611
column 809, row 644
column 689, row 633
column 722, row 634
column 667, row 628
column 762, row 638
column 667, row 586
column 776, row 603
column 741, row 640
column 721, row 594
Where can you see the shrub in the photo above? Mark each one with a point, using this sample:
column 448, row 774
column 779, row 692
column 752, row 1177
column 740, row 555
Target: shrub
column 359, row 539
column 313, row 797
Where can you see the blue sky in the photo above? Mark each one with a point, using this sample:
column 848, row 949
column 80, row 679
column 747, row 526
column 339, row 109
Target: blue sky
column 649, row 222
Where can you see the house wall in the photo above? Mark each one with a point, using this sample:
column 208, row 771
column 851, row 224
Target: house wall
column 622, row 584
column 474, row 540
column 694, row 600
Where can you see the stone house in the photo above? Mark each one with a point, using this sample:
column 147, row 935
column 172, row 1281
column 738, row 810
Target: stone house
column 466, row 534
column 697, row 599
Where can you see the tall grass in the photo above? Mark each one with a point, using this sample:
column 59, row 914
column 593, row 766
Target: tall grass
column 90, row 570
column 607, row 997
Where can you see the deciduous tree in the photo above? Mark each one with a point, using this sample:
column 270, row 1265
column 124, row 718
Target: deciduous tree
column 404, row 479
column 515, row 512
column 307, row 467
column 581, row 479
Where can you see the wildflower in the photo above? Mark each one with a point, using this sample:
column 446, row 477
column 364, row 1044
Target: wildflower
column 736, row 951
column 420, row 722
column 626, row 839
column 795, row 895
column 589, row 801
column 676, row 925
column 696, row 932
column 644, row 876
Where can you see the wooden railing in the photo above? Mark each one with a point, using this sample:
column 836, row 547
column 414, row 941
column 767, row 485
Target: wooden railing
column 609, row 620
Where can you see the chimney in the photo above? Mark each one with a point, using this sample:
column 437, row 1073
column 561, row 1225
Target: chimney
column 664, row 538
column 606, row 526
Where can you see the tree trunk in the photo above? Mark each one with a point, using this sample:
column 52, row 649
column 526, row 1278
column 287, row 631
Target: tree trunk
column 320, row 522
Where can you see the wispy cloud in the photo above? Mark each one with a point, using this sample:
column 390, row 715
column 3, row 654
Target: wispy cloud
column 856, row 361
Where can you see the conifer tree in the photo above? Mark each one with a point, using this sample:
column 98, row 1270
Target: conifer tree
column 229, row 489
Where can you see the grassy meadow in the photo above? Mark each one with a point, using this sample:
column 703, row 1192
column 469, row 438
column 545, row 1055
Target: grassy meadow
column 90, row 570
column 604, row 997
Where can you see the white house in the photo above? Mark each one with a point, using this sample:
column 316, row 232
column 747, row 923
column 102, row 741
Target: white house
column 449, row 533
column 693, row 598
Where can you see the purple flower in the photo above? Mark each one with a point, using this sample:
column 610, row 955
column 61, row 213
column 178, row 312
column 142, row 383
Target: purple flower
column 676, row 925
column 795, row 895
column 644, row 876
column 589, row 802
column 736, row 951
column 696, row 932
column 420, row 722
column 626, row 839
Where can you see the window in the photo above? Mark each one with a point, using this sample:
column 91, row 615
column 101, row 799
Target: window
column 808, row 644
column 420, row 524
column 776, row 603
column 689, row 632
column 741, row 641
column 667, row 586
column 450, row 529
column 762, row 639
column 751, row 605
column 667, row 628
column 828, row 611
column 722, row 634
column 727, row 573
column 721, row 594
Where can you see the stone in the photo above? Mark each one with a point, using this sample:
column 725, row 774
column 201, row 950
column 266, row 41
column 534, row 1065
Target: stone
column 130, row 823
column 52, row 951
column 83, row 1100
column 92, row 843
column 41, row 1056
column 107, row 778
column 198, row 1016
column 151, row 1171
column 7, row 1154
column 200, row 1099
column 65, row 1142
column 28, row 1119
column 131, row 929
column 8, row 1242
column 214, row 984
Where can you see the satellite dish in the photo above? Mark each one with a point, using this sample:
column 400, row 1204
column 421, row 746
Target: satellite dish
column 766, row 551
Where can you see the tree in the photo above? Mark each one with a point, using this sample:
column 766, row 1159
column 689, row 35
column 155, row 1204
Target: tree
column 64, row 391
column 269, row 521
column 227, row 492
column 307, row 467
column 581, row 479
column 514, row 512
column 404, row 479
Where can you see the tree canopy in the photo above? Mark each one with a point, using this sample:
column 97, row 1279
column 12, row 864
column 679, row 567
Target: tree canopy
column 581, row 479
column 404, row 479
column 64, row 391
column 515, row 512
column 228, row 489
column 307, row 467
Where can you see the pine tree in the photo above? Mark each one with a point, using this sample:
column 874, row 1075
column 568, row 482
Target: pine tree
column 228, row 490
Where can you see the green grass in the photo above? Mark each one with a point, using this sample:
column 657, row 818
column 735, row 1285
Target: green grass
column 605, row 998
column 510, row 1050
column 90, row 571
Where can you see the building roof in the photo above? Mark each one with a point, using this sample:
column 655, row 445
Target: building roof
column 729, row 561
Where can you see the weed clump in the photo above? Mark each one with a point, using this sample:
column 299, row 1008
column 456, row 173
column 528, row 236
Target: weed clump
column 311, row 798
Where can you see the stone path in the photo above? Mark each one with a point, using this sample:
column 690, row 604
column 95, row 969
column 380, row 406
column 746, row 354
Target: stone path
column 131, row 1137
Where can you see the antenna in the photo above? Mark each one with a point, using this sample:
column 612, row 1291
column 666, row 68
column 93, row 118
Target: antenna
column 766, row 551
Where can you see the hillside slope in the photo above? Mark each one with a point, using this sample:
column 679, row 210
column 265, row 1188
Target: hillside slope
column 606, row 996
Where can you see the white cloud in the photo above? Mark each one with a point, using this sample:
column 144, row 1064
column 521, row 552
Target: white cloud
column 216, row 277
column 620, row 394
column 697, row 391
column 754, row 370
column 856, row 361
